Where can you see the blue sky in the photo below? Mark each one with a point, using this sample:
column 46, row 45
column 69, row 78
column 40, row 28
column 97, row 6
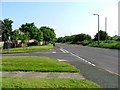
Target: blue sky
column 67, row 18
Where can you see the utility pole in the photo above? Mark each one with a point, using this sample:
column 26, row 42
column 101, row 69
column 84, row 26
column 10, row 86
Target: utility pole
column 115, row 33
column 106, row 26
column 98, row 28
column 9, row 44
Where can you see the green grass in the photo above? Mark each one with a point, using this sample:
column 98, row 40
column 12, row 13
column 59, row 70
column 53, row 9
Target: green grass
column 28, row 82
column 111, row 44
column 28, row 49
column 34, row 63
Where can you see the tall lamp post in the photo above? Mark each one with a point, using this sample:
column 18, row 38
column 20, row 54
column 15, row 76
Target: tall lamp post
column 9, row 44
column 98, row 28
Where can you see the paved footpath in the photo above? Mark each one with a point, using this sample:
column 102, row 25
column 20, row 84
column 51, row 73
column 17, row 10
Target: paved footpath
column 43, row 74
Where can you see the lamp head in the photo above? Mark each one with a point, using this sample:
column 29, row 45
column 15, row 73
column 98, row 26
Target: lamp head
column 95, row 14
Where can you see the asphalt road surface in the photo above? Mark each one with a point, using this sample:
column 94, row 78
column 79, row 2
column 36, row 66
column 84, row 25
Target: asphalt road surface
column 95, row 64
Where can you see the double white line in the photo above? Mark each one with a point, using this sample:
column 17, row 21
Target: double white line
column 65, row 51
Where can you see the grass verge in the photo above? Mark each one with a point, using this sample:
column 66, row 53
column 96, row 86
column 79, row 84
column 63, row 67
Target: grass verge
column 34, row 63
column 27, row 49
column 22, row 82
column 111, row 44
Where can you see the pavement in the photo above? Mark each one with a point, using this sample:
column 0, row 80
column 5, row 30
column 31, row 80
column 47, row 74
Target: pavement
column 44, row 74
column 95, row 64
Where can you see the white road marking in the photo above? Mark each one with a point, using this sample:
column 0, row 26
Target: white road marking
column 54, row 52
column 111, row 72
column 63, row 50
column 62, row 60
column 79, row 57
column 66, row 51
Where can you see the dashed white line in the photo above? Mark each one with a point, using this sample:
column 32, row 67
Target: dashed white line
column 63, row 50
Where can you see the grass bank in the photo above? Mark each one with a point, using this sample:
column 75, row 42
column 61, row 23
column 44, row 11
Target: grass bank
column 34, row 63
column 28, row 49
column 22, row 82
column 111, row 44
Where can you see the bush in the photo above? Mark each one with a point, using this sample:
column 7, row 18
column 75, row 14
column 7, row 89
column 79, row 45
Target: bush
column 86, row 42
column 93, row 44
column 116, row 46
column 33, row 44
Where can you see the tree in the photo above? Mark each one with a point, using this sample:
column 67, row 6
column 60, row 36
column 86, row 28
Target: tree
column 116, row 38
column 6, row 29
column 39, row 36
column 48, row 34
column 15, row 35
column 52, row 35
column 80, row 37
column 29, row 29
column 74, row 38
column 103, row 35
column 24, row 37
column 60, row 39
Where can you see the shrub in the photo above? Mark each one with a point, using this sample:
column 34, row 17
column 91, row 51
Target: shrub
column 86, row 42
column 33, row 44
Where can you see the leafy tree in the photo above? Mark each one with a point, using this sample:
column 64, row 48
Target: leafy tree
column 52, row 35
column 24, row 37
column 6, row 29
column 39, row 36
column 116, row 38
column 60, row 39
column 74, row 38
column 87, row 37
column 80, row 37
column 103, row 35
column 29, row 29
column 48, row 34
column 15, row 35
column 67, row 39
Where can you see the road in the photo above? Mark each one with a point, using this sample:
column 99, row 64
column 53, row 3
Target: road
column 103, row 58
column 95, row 64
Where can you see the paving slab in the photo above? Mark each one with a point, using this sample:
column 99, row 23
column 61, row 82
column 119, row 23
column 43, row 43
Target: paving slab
column 44, row 74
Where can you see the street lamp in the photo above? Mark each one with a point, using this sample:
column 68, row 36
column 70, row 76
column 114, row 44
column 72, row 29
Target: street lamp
column 98, row 28
column 9, row 44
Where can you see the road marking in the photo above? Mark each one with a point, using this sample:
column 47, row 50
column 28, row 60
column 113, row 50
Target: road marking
column 54, row 52
column 62, row 60
column 111, row 71
column 79, row 57
column 63, row 50
column 66, row 51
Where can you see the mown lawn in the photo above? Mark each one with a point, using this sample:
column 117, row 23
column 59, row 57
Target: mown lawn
column 23, row 82
column 28, row 49
column 34, row 63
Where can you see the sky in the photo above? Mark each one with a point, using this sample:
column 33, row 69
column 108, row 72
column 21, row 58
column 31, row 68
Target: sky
column 66, row 17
